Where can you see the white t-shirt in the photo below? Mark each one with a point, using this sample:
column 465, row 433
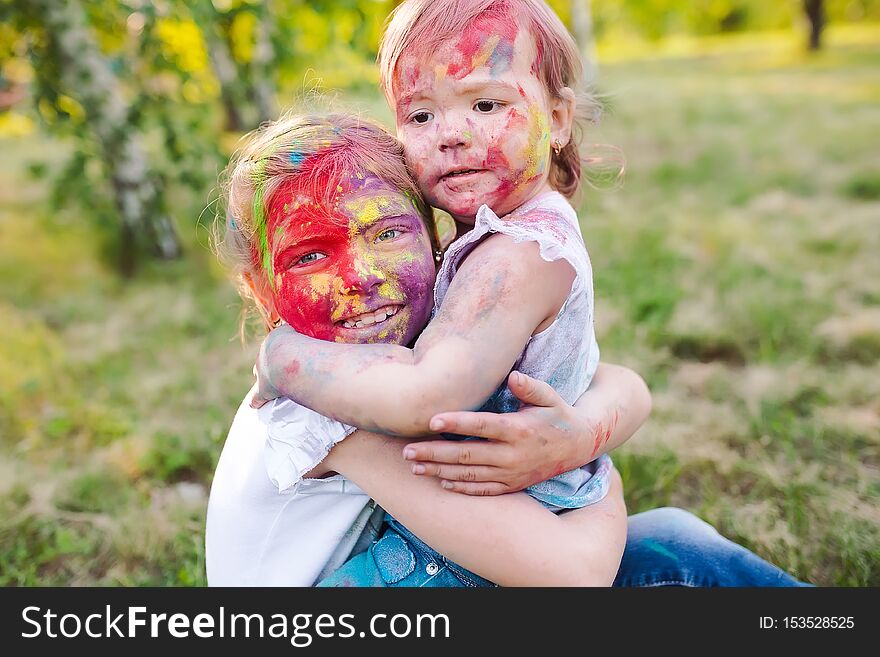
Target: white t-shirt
column 266, row 525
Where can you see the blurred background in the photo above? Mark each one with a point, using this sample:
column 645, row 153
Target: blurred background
column 737, row 267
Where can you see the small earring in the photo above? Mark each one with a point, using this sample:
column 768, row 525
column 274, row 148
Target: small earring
column 557, row 146
column 438, row 255
column 277, row 323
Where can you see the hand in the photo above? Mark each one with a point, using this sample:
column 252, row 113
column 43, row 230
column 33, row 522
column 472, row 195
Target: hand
column 266, row 392
column 523, row 448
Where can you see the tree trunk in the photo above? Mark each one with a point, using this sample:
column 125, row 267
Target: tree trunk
column 582, row 29
column 264, row 56
column 815, row 10
column 227, row 76
column 233, row 90
column 87, row 77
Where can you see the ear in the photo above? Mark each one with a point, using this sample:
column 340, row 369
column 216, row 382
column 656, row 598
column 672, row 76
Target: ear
column 263, row 296
column 562, row 108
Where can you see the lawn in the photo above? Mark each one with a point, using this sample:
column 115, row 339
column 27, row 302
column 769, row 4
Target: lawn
column 736, row 268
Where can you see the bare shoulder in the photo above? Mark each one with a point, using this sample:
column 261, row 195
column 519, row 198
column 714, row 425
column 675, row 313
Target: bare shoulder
column 519, row 274
column 501, row 252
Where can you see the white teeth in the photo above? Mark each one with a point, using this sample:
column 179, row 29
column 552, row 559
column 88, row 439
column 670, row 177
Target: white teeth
column 368, row 319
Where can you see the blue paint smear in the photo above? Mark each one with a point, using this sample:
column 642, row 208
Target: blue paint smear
column 501, row 58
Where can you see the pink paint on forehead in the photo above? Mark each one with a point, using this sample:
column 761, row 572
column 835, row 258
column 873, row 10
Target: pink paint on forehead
column 476, row 37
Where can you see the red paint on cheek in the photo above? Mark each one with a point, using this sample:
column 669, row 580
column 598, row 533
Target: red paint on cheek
column 301, row 305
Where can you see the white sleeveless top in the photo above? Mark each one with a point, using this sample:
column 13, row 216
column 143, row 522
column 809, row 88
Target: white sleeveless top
column 566, row 353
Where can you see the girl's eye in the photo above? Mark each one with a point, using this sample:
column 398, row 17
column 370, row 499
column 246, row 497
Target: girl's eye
column 420, row 118
column 389, row 234
column 487, row 106
column 309, row 258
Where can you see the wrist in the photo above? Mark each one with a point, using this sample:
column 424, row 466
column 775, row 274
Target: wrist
column 274, row 356
column 588, row 427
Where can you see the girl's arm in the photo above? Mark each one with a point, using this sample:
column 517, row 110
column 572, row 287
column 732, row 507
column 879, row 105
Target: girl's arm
column 545, row 437
column 502, row 294
column 511, row 539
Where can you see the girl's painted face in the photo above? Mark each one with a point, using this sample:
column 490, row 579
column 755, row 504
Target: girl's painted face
column 475, row 119
column 359, row 271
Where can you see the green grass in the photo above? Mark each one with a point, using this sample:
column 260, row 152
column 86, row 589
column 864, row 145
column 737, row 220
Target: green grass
column 736, row 269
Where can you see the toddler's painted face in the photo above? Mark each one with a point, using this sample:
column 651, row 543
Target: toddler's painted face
column 359, row 271
column 475, row 119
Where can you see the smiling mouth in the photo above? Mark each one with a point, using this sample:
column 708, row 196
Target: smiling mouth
column 371, row 318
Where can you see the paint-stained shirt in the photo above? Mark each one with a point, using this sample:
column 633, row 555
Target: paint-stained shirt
column 566, row 353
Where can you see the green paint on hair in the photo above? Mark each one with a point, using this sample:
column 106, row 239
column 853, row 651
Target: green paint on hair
column 261, row 222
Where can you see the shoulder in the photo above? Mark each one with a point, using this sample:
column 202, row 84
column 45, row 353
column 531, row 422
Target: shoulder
column 504, row 254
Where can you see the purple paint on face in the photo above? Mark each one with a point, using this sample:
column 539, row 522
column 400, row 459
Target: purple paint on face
column 360, row 271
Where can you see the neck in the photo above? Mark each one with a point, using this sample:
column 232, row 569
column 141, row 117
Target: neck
column 462, row 227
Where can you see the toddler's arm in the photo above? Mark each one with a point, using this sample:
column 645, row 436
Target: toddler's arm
column 544, row 438
column 502, row 294
column 510, row 539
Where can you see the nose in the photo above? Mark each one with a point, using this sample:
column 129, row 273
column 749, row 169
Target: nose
column 360, row 277
column 453, row 134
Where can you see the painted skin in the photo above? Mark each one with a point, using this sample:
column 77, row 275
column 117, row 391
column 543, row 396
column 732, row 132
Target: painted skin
column 475, row 119
column 360, row 271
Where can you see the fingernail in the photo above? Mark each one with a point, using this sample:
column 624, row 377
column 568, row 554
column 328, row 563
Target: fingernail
column 409, row 453
column 446, row 484
column 436, row 424
column 418, row 468
column 515, row 378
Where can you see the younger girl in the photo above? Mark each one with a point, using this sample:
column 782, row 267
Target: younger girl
column 482, row 95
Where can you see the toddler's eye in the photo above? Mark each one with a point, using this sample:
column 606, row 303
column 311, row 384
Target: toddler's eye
column 420, row 118
column 389, row 234
column 309, row 258
column 487, row 106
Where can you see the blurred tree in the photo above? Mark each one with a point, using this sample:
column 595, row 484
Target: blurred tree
column 263, row 62
column 582, row 30
column 239, row 38
column 815, row 10
column 70, row 64
column 232, row 92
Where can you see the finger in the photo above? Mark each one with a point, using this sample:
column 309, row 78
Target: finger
column 476, row 488
column 465, row 452
column 532, row 391
column 476, row 473
column 472, row 423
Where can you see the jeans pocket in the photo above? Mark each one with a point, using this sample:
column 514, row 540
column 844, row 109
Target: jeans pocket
column 393, row 557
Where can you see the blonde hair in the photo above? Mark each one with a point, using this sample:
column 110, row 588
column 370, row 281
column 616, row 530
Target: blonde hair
column 426, row 24
column 316, row 152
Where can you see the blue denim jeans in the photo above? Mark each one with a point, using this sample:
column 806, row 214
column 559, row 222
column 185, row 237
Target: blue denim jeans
column 664, row 547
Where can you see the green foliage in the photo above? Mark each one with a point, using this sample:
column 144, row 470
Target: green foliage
column 41, row 552
column 648, row 481
column 864, row 186
column 95, row 492
column 173, row 458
